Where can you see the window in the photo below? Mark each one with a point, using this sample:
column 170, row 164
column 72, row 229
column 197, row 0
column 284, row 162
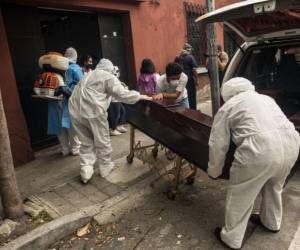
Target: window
column 196, row 33
column 231, row 41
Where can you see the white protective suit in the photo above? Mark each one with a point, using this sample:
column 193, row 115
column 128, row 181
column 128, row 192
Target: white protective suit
column 267, row 148
column 88, row 111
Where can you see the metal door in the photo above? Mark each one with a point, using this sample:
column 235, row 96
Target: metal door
column 112, row 41
column 63, row 29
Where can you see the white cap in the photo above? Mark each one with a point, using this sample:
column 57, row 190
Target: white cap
column 235, row 86
column 71, row 54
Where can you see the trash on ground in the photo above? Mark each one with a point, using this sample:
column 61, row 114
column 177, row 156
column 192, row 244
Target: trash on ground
column 84, row 230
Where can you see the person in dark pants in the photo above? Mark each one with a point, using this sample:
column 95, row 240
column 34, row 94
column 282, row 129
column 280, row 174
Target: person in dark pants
column 116, row 118
column 189, row 65
column 116, row 112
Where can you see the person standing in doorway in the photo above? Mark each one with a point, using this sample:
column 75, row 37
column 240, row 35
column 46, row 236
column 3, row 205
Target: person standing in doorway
column 67, row 137
column 87, row 64
column 189, row 66
column 58, row 119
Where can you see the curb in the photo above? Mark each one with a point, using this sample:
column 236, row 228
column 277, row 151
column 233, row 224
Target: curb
column 45, row 235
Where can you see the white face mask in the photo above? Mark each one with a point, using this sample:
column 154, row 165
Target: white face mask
column 174, row 82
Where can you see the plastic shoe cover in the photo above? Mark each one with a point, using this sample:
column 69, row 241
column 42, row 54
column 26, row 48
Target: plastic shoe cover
column 105, row 170
column 86, row 173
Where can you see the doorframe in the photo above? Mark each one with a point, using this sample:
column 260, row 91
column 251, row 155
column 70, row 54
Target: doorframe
column 123, row 9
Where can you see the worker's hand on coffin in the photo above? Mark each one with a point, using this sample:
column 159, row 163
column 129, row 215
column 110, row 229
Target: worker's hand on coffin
column 145, row 97
column 158, row 97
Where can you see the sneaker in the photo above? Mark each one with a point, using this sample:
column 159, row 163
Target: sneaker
column 105, row 170
column 122, row 129
column 218, row 236
column 255, row 219
column 114, row 132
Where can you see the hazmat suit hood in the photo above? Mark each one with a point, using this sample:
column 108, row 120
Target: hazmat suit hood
column 235, row 86
column 106, row 65
column 71, row 54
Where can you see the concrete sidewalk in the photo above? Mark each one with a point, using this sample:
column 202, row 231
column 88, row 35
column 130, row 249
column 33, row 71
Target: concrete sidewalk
column 156, row 222
column 188, row 222
column 53, row 181
column 52, row 177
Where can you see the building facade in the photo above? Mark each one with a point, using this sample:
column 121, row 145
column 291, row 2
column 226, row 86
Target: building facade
column 125, row 31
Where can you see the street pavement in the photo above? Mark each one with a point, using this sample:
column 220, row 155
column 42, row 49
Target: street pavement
column 189, row 221
column 156, row 223
column 53, row 181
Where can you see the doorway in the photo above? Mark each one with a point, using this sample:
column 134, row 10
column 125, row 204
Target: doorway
column 33, row 31
column 63, row 29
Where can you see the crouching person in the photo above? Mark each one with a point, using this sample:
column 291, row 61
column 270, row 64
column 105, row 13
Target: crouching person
column 267, row 148
column 88, row 111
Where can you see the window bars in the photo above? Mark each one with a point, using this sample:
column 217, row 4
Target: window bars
column 196, row 33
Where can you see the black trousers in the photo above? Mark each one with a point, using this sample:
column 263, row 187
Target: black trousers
column 116, row 114
column 192, row 93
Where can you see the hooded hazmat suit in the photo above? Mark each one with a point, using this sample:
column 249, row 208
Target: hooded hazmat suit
column 267, row 148
column 88, row 111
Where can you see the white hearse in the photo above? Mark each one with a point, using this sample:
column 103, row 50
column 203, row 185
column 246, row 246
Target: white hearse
column 270, row 56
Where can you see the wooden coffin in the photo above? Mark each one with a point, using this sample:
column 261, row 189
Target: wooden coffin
column 184, row 131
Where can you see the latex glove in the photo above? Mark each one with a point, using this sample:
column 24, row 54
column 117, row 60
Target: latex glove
column 158, row 97
column 145, row 97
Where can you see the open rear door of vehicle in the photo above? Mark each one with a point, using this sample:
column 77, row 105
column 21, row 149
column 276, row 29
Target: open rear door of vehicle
column 259, row 19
